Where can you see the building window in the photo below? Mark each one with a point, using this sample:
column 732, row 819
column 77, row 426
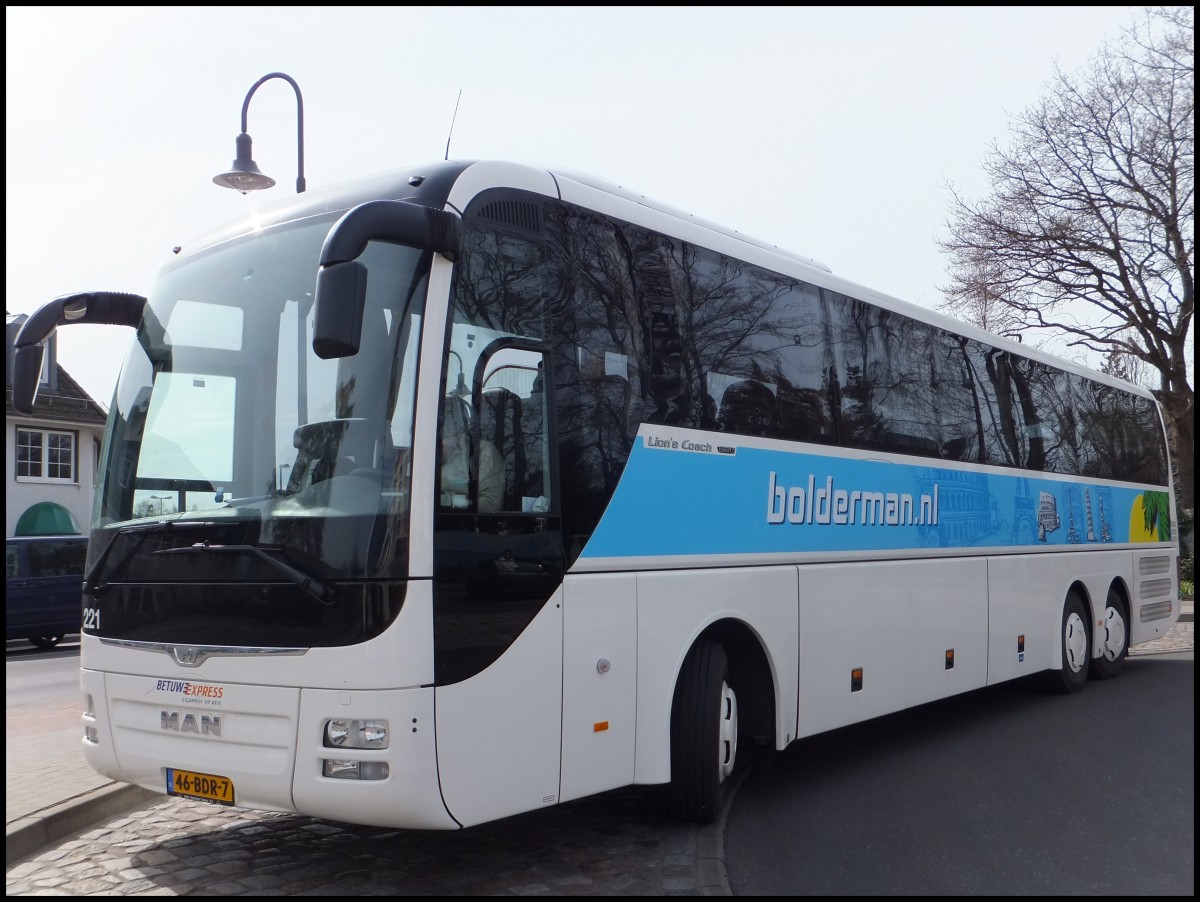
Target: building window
column 45, row 456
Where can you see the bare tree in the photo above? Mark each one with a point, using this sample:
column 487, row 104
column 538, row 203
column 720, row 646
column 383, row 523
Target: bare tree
column 1120, row 365
column 977, row 296
column 1089, row 228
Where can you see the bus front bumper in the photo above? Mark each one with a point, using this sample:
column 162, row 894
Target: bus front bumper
column 365, row 757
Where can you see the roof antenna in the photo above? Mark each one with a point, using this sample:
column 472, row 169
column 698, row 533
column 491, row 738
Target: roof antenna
column 452, row 118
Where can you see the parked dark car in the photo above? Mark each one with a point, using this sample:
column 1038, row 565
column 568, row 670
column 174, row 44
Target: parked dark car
column 43, row 593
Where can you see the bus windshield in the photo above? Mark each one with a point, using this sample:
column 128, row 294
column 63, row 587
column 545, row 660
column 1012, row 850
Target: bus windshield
column 224, row 415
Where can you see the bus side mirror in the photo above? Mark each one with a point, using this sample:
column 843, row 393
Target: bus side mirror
column 110, row 308
column 341, row 297
column 342, row 281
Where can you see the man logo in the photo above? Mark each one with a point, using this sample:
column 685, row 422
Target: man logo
column 204, row 725
column 189, row 655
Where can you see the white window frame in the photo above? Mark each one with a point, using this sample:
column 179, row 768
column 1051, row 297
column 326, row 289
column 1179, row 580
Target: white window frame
column 44, row 464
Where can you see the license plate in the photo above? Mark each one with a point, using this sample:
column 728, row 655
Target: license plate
column 202, row 787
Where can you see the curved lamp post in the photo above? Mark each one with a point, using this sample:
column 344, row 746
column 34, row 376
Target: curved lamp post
column 244, row 175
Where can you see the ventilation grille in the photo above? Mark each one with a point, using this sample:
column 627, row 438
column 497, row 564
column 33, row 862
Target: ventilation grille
column 1155, row 588
column 1160, row 610
column 514, row 213
column 1154, row 566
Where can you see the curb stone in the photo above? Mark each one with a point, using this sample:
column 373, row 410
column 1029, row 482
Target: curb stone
column 712, row 877
column 27, row 835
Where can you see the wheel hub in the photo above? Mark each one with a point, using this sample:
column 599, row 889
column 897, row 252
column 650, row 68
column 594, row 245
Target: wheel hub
column 1075, row 642
column 1114, row 634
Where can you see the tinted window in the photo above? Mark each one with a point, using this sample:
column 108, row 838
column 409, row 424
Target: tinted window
column 611, row 362
column 962, row 393
column 651, row 328
column 887, row 377
column 1054, row 398
column 1121, row 435
column 56, row 557
column 1151, row 463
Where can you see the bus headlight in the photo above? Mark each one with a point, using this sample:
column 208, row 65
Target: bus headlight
column 356, row 734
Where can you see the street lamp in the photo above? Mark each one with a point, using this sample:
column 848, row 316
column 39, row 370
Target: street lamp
column 160, row 499
column 244, row 175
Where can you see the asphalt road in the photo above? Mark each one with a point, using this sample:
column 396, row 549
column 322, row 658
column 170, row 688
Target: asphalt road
column 1002, row 791
column 41, row 675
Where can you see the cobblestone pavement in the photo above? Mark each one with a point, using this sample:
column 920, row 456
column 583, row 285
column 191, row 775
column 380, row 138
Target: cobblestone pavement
column 620, row 844
column 1181, row 637
column 617, row 844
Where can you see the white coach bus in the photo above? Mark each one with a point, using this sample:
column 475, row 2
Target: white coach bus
column 475, row 488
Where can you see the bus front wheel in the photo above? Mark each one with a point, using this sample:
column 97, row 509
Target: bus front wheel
column 704, row 734
column 1114, row 647
column 1076, row 650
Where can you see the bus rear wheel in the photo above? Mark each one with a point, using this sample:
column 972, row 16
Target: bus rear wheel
column 704, row 735
column 1076, row 650
column 45, row 641
column 1114, row 643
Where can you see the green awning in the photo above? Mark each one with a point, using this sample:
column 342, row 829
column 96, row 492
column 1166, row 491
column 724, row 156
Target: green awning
column 48, row 519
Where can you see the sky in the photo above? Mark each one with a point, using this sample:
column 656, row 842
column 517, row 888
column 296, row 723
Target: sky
column 833, row 132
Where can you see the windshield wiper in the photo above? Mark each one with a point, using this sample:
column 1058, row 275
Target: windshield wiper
column 145, row 530
column 323, row 593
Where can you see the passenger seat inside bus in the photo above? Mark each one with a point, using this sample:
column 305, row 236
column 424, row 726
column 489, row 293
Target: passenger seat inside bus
column 748, row 408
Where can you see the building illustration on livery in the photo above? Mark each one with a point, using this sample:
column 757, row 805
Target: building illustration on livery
column 967, row 510
column 1047, row 516
column 1087, row 521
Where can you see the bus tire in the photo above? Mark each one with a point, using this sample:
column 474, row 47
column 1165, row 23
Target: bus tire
column 704, row 735
column 1076, row 650
column 45, row 641
column 1114, row 642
